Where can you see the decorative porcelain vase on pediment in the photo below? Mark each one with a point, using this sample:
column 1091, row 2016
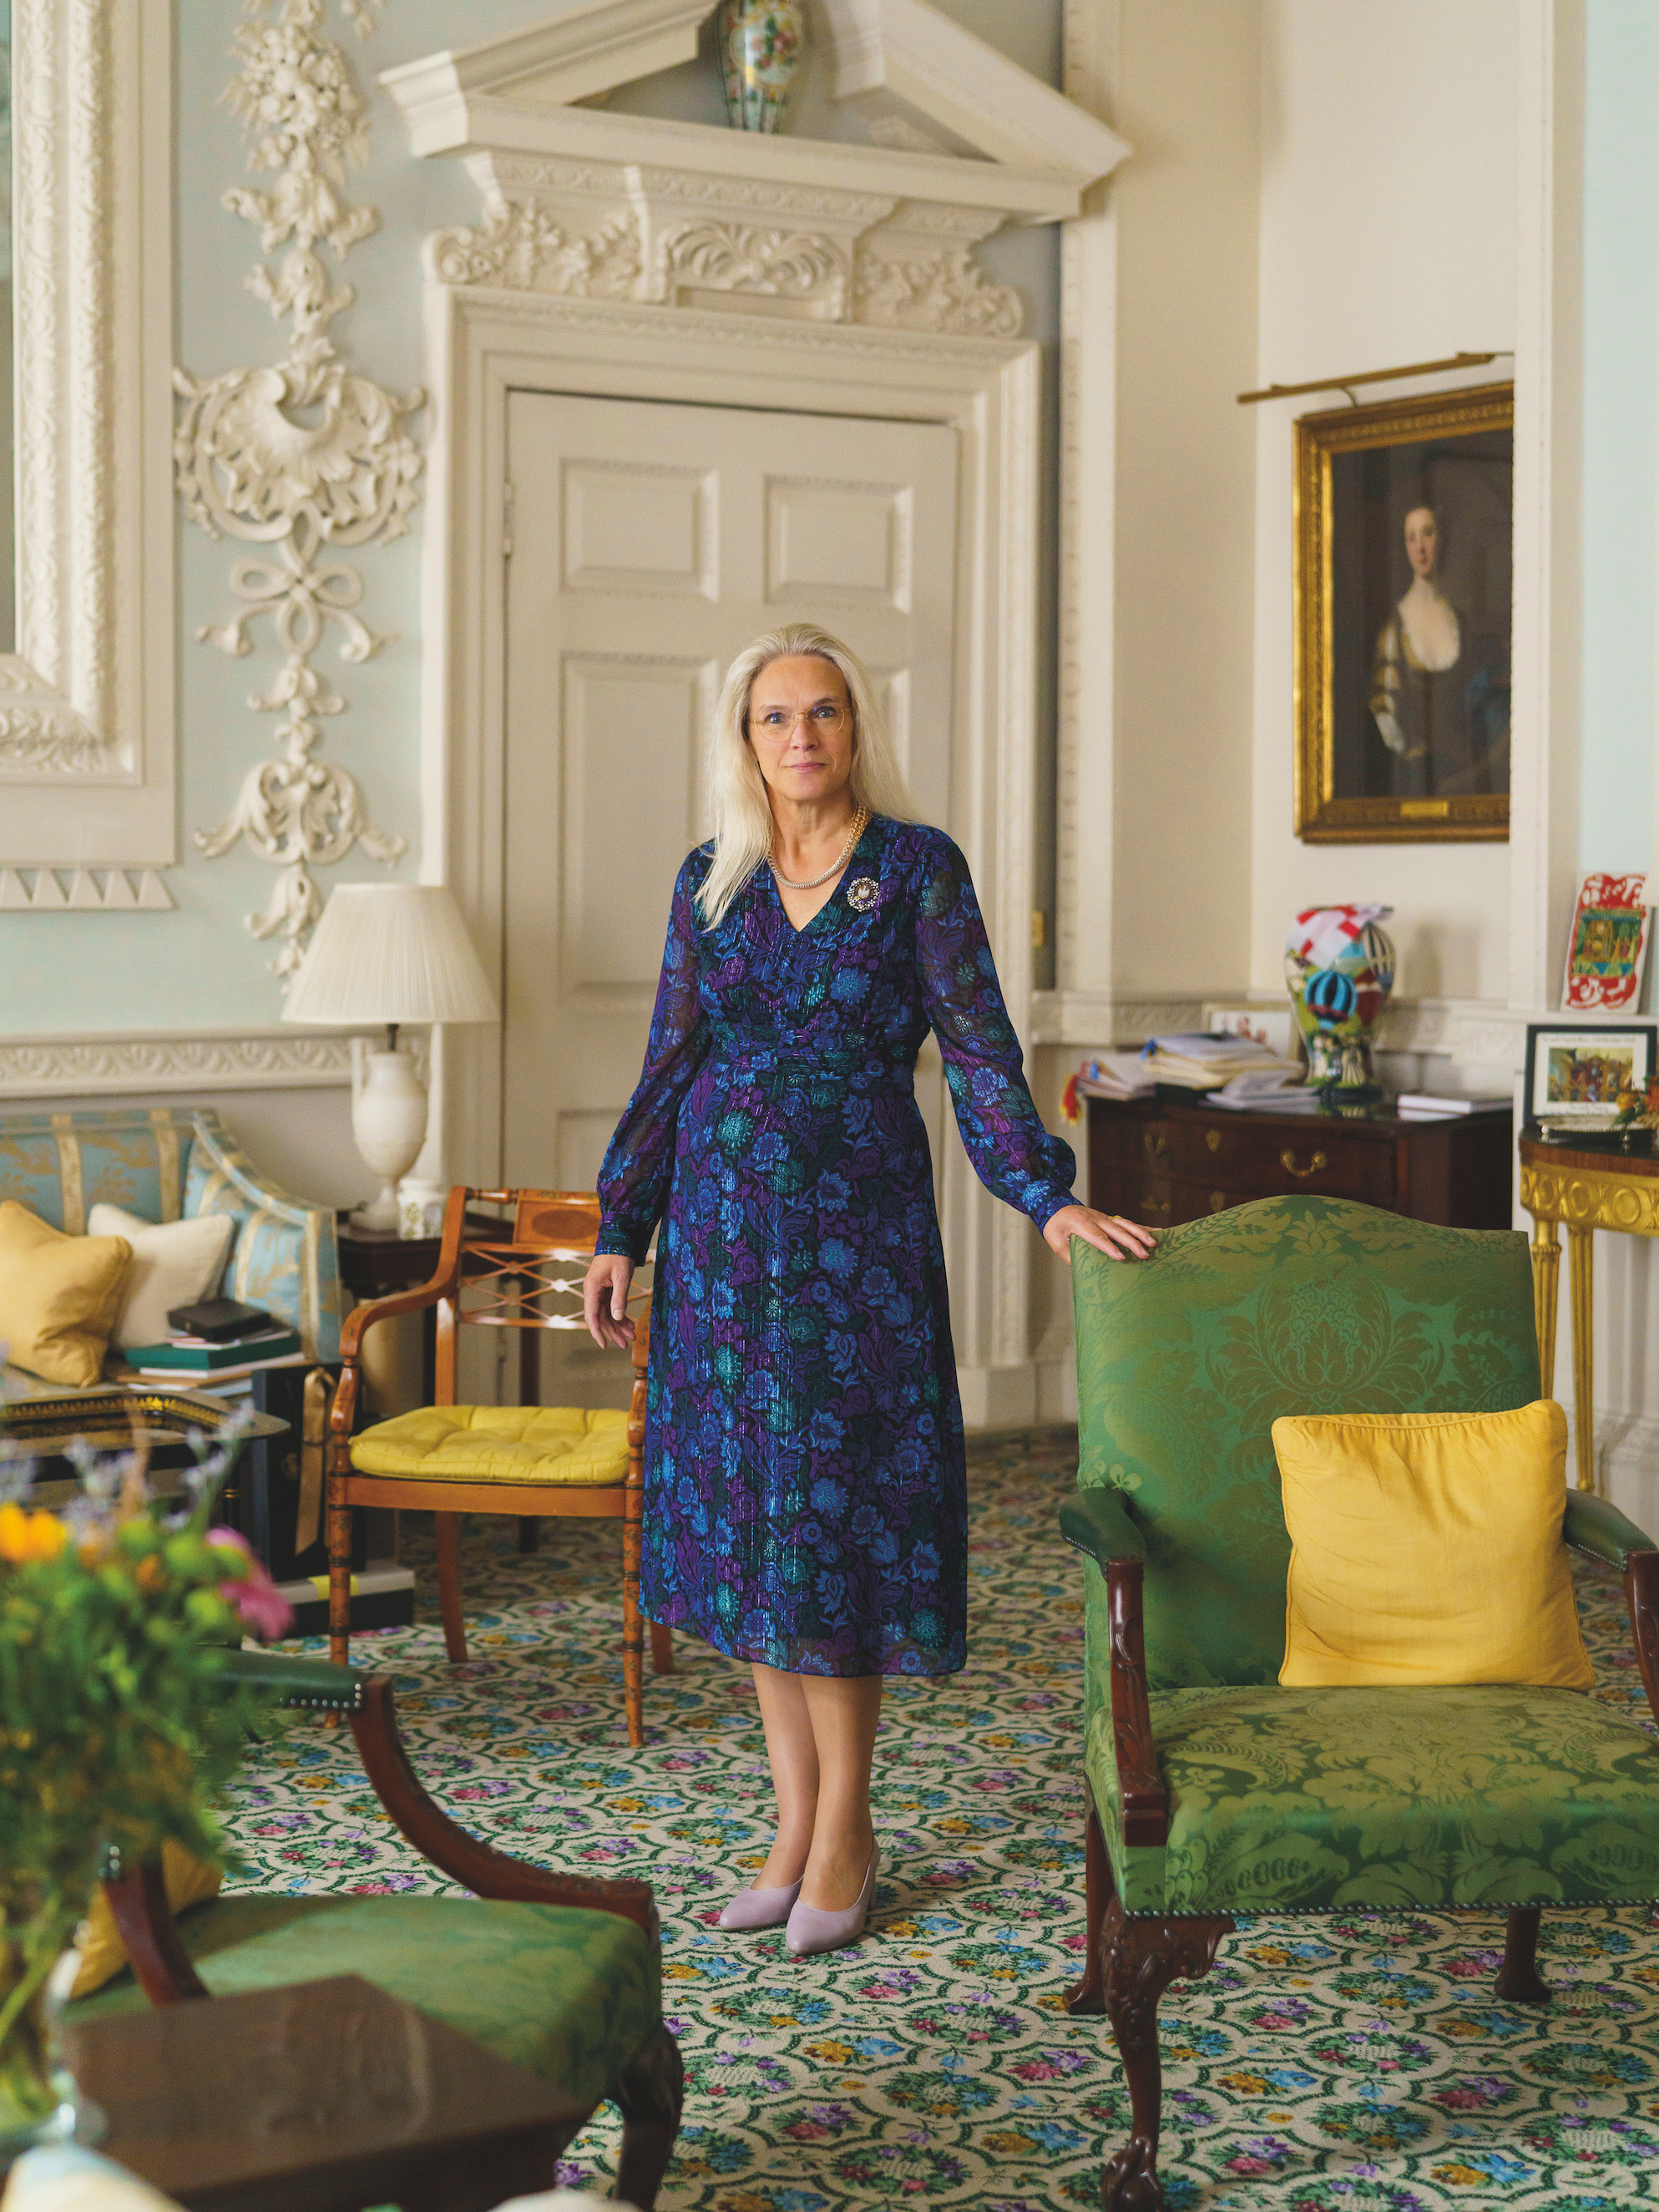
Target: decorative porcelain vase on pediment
column 761, row 43
column 1340, row 966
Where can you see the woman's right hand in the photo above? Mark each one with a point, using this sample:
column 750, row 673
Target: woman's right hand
column 604, row 1299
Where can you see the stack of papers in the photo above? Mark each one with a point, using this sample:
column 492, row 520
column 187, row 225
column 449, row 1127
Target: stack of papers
column 1427, row 1103
column 1280, row 1090
column 1115, row 1075
column 1200, row 1063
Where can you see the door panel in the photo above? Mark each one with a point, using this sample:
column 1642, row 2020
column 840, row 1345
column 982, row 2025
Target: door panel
column 650, row 543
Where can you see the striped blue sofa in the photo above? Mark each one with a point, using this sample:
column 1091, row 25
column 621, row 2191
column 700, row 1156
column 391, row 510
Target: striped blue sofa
column 168, row 1162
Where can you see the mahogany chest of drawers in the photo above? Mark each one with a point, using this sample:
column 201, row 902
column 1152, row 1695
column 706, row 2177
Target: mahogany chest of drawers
column 1164, row 1163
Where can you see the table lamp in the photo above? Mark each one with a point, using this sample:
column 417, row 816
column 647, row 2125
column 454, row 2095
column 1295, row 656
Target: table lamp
column 392, row 953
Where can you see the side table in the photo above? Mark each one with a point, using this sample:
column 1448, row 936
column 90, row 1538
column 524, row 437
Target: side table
column 320, row 2097
column 1163, row 1160
column 373, row 1261
column 1587, row 1191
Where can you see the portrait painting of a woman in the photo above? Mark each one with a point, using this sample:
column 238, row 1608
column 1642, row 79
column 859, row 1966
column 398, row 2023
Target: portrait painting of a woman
column 1403, row 599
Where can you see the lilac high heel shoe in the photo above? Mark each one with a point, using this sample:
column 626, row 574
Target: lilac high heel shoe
column 759, row 1908
column 810, row 1930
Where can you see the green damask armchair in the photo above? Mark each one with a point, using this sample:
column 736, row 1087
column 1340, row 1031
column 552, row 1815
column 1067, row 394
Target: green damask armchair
column 560, row 1974
column 1211, row 1790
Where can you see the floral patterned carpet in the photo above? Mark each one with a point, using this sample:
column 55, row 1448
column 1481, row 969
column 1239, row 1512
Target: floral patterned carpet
column 1327, row 2065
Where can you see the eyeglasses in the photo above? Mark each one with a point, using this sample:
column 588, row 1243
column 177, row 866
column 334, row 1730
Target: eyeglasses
column 779, row 721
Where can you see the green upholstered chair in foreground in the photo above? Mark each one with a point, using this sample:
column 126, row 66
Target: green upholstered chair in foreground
column 557, row 1972
column 1212, row 1789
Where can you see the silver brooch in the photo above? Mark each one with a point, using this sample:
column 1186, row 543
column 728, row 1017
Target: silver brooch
column 863, row 892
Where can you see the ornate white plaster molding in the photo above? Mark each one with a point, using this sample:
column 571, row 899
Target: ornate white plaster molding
column 184, row 1059
column 87, row 722
column 104, row 891
column 896, row 265
column 919, row 79
column 581, row 202
column 302, row 456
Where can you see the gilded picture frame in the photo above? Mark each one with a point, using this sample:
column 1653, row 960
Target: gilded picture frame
column 1403, row 596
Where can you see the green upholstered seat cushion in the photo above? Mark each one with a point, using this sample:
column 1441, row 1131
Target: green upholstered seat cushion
column 1291, row 1305
column 1388, row 1799
column 571, row 1994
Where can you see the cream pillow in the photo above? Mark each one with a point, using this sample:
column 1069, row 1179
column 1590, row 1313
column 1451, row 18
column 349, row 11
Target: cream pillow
column 1426, row 1548
column 58, row 1297
column 174, row 1264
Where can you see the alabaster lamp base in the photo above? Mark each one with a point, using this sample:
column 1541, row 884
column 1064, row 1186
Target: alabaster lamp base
column 388, row 1121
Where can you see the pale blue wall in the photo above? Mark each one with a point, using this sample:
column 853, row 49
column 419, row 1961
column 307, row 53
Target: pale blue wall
column 199, row 967
column 1620, row 276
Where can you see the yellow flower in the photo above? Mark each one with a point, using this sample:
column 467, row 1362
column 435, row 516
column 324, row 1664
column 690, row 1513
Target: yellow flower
column 25, row 1536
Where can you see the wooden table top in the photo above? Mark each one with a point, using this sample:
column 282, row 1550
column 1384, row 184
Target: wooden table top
column 1597, row 1159
column 320, row 2097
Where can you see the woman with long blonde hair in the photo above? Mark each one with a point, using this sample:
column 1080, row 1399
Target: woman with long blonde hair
column 805, row 1499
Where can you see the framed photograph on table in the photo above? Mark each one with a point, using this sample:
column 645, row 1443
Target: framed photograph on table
column 1574, row 1076
column 1403, row 591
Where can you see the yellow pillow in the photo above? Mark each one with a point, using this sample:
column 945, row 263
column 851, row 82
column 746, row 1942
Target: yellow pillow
column 1427, row 1547
column 58, row 1297
column 189, row 1882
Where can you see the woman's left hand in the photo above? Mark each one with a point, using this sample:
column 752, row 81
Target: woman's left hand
column 1108, row 1232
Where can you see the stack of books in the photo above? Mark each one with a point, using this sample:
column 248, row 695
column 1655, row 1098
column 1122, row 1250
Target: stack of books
column 1114, row 1075
column 217, row 1343
column 1203, row 1062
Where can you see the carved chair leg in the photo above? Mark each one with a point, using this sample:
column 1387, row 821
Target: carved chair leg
column 448, row 1528
column 662, row 1649
column 649, row 2096
column 529, row 1532
column 1141, row 1955
column 1090, row 1994
column 339, row 1584
column 1518, row 1981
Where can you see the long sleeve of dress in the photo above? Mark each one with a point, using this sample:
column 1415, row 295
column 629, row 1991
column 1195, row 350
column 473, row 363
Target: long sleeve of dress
column 1013, row 1155
column 633, row 1180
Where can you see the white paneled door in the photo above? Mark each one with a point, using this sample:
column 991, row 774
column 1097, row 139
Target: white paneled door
column 649, row 542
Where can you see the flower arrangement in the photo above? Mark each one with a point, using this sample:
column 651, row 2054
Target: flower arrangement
column 1638, row 1109
column 116, row 1728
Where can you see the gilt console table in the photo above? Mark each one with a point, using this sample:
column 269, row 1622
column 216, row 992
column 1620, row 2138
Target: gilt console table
column 1587, row 1191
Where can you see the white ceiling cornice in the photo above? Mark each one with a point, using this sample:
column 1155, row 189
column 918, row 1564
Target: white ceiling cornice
column 961, row 124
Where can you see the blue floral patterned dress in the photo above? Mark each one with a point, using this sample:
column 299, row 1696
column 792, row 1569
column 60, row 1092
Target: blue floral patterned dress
column 804, row 1500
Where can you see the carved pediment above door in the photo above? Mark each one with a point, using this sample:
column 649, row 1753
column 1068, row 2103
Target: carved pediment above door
column 578, row 200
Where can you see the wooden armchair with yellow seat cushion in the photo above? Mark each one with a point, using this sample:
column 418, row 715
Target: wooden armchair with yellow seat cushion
column 1232, row 1764
column 527, row 1461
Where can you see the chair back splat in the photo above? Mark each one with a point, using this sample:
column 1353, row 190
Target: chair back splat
column 1293, row 1305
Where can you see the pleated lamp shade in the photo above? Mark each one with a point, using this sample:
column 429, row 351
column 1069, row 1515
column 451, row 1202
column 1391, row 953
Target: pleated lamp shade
column 390, row 952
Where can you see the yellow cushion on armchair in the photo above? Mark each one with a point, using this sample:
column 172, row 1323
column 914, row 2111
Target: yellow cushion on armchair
column 1426, row 1549
column 498, row 1444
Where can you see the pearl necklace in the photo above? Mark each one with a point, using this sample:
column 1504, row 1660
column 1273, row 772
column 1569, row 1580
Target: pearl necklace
column 859, row 820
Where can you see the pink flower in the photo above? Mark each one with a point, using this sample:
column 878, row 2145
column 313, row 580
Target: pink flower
column 261, row 1606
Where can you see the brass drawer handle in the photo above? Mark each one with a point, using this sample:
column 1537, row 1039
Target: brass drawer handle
column 1212, row 1139
column 1151, row 1205
column 1156, row 1142
column 1218, row 1201
column 1287, row 1160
